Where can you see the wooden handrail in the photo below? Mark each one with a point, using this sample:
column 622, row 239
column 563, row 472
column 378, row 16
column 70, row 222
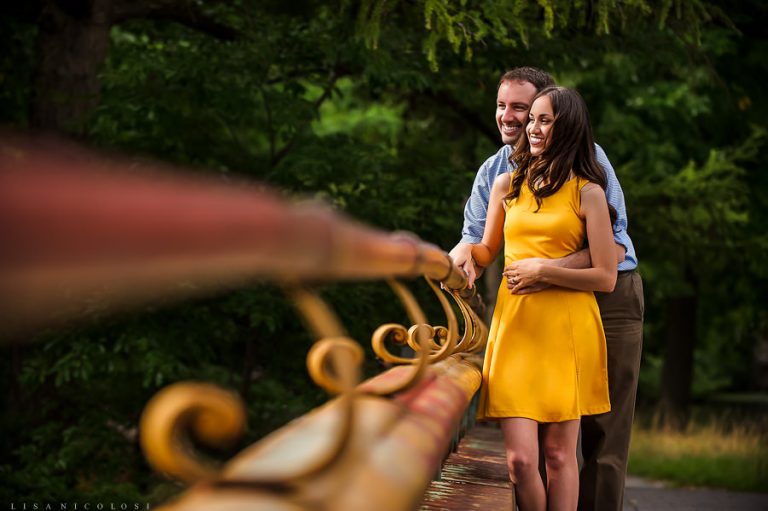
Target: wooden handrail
column 78, row 229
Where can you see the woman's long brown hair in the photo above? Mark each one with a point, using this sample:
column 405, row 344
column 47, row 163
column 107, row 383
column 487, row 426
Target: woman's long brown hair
column 571, row 146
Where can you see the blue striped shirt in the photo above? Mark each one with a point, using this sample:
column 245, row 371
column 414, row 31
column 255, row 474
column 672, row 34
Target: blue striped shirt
column 476, row 208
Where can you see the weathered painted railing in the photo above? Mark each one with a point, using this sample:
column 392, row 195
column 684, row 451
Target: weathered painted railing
column 83, row 236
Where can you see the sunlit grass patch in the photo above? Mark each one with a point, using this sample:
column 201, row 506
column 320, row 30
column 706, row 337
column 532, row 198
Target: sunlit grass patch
column 733, row 457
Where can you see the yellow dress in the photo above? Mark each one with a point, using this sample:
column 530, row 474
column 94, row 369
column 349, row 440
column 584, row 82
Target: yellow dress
column 546, row 354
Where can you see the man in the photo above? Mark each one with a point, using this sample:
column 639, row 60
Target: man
column 605, row 437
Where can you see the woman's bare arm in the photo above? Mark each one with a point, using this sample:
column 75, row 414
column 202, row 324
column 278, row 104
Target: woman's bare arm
column 602, row 251
column 485, row 252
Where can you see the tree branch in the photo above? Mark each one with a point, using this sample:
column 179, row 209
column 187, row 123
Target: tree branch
column 277, row 157
column 472, row 117
column 185, row 12
column 28, row 12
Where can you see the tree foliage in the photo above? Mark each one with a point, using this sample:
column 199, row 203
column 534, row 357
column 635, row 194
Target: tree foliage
column 384, row 110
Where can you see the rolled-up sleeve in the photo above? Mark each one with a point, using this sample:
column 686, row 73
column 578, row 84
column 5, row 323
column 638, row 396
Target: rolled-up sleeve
column 476, row 208
column 615, row 196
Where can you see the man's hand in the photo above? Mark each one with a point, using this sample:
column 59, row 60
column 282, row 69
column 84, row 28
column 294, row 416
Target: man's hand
column 621, row 253
column 522, row 275
column 462, row 257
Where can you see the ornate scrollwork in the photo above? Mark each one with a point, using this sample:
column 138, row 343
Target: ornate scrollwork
column 215, row 416
column 451, row 335
column 441, row 341
column 335, row 360
column 475, row 331
column 420, row 337
column 334, row 363
column 430, row 343
column 212, row 415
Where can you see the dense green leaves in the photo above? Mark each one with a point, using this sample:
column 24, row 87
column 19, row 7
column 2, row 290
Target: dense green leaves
column 384, row 110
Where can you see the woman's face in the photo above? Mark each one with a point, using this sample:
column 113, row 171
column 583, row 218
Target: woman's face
column 540, row 121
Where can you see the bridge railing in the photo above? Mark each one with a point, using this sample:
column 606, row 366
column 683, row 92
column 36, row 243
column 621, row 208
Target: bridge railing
column 80, row 229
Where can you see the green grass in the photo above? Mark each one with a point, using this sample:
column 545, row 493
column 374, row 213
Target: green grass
column 733, row 456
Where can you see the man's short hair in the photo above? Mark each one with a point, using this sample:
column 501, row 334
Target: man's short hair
column 540, row 79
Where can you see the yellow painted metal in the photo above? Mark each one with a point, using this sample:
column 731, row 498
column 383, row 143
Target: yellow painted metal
column 208, row 413
column 475, row 331
column 334, row 364
column 392, row 452
column 451, row 335
column 369, row 447
column 417, row 336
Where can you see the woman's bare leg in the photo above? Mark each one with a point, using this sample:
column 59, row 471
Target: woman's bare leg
column 521, row 443
column 559, row 445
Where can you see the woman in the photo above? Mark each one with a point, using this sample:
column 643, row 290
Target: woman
column 545, row 362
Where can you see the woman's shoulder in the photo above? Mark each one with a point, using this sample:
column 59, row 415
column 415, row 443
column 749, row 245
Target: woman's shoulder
column 587, row 186
column 591, row 192
column 502, row 182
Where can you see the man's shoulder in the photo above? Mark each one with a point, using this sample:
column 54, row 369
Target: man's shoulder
column 599, row 151
column 603, row 161
column 498, row 162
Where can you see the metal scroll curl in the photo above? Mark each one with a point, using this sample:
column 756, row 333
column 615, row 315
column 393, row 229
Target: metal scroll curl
column 215, row 416
column 430, row 343
column 183, row 411
column 441, row 341
column 475, row 334
column 334, row 363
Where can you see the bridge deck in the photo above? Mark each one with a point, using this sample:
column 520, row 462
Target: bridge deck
column 474, row 477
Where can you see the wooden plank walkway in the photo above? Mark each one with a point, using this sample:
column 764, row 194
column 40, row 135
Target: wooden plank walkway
column 474, row 477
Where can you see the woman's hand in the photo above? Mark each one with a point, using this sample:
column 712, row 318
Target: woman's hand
column 522, row 274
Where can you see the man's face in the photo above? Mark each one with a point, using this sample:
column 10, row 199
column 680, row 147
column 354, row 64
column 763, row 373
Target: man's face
column 513, row 101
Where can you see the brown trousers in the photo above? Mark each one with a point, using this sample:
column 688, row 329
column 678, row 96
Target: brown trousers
column 605, row 437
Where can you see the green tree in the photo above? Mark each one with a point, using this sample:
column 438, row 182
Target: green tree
column 685, row 127
column 384, row 109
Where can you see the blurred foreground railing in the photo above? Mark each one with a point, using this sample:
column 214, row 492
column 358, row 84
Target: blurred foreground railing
column 83, row 237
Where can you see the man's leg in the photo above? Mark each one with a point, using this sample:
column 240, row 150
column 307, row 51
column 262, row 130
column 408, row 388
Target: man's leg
column 605, row 437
